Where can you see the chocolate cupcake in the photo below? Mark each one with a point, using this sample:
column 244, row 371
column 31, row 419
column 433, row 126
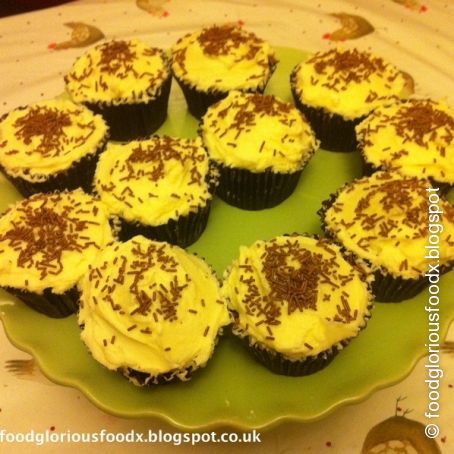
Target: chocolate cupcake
column 260, row 145
column 413, row 137
column 160, row 188
column 46, row 244
column 51, row 145
column 338, row 88
column 297, row 301
column 209, row 63
column 384, row 220
column 127, row 82
column 151, row 311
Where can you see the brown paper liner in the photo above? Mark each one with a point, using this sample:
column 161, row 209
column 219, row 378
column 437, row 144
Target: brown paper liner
column 79, row 175
column 145, row 379
column 368, row 169
column 134, row 121
column 389, row 289
column 182, row 231
column 281, row 365
column 334, row 132
column 255, row 191
column 49, row 303
column 198, row 101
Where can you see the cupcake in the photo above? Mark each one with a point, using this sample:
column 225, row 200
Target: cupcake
column 413, row 137
column 151, row 311
column 209, row 63
column 46, row 244
column 160, row 188
column 260, row 145
column 384, row 219
column 338, row 88
column 296, row 301
column 127, row 82
column 51, row 145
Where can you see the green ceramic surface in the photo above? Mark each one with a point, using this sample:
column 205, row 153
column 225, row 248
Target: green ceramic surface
column 233, row 389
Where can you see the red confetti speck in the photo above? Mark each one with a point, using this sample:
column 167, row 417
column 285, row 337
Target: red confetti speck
column 165, row 14
column 423, row 9
column 443, row 439
column 52, row 428
column 449, row 386
column 52, row 46
column 328, row 444
column 241, row 23
column 327, row 36
column 399, row 409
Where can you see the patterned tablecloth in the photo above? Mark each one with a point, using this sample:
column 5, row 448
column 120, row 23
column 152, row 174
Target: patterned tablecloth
column 36, row 50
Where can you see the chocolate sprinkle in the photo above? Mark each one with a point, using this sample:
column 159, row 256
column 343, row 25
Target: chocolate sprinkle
column 348, row 66
column 116, row 56
column 44, row 126
column 220, row 40
column 417, row 121
column 148, row 161
column 159, row 301
column 403, row 206
column 42, row 234
column 294, row 275
column 247, row 109
column 298, row 286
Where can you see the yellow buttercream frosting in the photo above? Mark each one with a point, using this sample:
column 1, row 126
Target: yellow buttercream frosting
column 49, row 240
column 297, row 295
column 257, row 132
column 413, row 137
column 118, row 71
column 223, row 58
column 385, row 220
column 151, row 307
column 154, row 180
column 48, row 137
column 349, row 83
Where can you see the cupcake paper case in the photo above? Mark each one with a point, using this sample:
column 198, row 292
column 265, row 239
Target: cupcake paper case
column 384, row 219
column 297, row 301
column 209, row 63
column 46, row 244
column 413, row 137
column 160, row 188
column 127, row 82
column 260, row 145
column 338, row 88
column 51, row 145
column 151, row 311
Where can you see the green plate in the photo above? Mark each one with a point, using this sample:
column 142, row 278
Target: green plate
column 234, row 389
